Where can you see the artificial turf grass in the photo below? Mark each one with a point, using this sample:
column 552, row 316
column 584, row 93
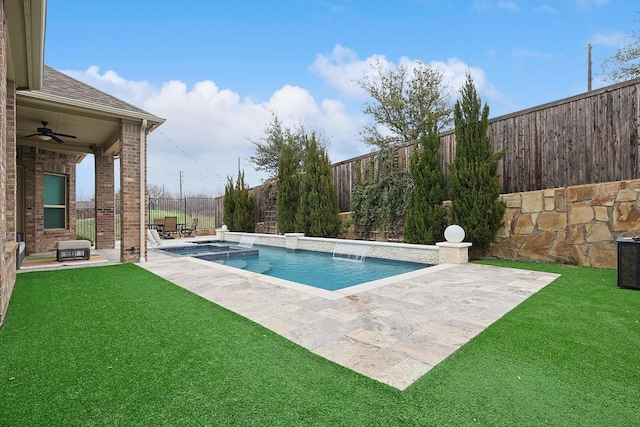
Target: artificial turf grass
column 117, row 345
column 120, row 346
column 562, row 357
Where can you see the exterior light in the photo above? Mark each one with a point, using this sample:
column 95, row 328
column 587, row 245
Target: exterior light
column 454, row 234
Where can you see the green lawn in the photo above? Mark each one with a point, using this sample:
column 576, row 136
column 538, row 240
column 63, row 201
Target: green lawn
column 119, row 346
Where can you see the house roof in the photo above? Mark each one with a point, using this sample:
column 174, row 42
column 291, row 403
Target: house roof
column 71, row 107
column 63, row 86
column 25, row 23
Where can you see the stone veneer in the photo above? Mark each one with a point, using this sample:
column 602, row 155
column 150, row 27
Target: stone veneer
column 429, row 254
column 574, row 225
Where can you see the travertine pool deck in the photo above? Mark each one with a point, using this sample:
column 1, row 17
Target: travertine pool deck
column 393, row 331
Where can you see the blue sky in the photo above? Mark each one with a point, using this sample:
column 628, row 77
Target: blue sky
column 217, row 69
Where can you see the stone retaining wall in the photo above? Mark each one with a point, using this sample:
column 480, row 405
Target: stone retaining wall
column 574, row 225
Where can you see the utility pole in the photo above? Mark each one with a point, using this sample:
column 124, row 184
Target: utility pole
column 589, row 67
column 180, row 184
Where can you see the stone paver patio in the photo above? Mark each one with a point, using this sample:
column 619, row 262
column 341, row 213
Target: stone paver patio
column 393, row 331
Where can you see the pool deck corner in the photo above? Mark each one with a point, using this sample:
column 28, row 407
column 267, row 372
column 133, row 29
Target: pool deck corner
column 394, row 332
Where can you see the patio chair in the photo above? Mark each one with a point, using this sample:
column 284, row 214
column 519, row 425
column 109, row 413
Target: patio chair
column 156, row 237
column 158, row 224
column 170, row 227
column 190, row 231
column 153, row 238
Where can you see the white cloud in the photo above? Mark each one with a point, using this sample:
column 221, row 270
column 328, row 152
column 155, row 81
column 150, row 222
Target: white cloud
column 545, row 8
column 342, row 67
column 509, row 6
column 208, row 129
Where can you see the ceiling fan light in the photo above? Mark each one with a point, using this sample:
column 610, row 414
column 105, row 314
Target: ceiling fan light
column 44, row 137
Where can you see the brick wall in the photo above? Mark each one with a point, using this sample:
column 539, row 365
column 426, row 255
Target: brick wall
column 6, row 282
column 575, row 225
column 105, row 200
column 130, row 192
column 11, row 171
column 37, row 162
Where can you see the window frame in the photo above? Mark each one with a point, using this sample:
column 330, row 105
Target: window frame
column 56, row 207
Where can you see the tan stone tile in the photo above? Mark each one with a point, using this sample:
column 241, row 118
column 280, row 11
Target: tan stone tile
column 370, row 338
column 404, row 373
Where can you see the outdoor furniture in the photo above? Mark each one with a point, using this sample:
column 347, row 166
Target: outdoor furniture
column 170, row 227
column 22, row 250
column 73, row 249
column 153, row 238
column 191, row 231
column 158, row 224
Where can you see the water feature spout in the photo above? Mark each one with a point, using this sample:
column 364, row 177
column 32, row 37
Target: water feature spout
column 247, row 241
column 351, row 251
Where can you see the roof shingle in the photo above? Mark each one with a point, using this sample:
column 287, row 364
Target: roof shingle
column 59, row 84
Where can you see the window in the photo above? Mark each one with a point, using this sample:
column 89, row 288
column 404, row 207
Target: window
column 55, row 201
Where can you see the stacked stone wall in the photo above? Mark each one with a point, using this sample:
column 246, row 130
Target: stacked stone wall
column 573, row 225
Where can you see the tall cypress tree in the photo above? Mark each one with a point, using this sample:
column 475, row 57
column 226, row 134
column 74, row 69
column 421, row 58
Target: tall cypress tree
column 475, row 189
column 288, row 189
column 239, row 206
column 318, row 213
column 426, row 217
column 245, row 213
column 229, row 204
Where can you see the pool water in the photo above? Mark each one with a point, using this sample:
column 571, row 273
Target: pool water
column 317, row 269
column 214, row 251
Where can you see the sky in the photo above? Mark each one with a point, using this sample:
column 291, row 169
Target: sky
column 218, row 70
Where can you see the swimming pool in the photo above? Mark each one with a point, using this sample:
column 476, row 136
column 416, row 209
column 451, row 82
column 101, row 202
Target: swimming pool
column 213, row 250
column 317, row 269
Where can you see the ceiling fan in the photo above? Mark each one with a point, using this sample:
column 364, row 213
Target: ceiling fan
column 46, row 134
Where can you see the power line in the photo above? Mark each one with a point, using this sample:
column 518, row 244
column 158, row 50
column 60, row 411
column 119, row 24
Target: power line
column 191, row 157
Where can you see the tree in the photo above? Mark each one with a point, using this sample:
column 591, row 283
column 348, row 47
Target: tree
column 270, row 146
column 229, row 205
column 625, row 63
column 380, row 195
column 157, row 192
column 239, row 206
column 475, row 189
column 318, row 212
column 404, row 99
column 426, row 217
column 288, row 189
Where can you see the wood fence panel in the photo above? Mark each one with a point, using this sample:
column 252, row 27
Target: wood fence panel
column 584, row 139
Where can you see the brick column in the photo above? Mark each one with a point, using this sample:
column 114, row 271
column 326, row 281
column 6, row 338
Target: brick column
column 12, row 169
column 130, row 172
column 104, row 200
column 7, row 265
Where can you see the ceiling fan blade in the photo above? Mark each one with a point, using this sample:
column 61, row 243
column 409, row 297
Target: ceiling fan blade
column 33, row 134
column 63, row 135
column 56, row 139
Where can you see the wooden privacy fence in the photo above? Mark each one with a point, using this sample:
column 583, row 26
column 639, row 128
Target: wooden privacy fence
column 585, row 139
column 265, row 212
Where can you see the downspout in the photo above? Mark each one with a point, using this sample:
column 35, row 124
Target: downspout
column 143, row 190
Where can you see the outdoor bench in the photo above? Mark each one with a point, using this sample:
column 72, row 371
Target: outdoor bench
column 73, row 249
